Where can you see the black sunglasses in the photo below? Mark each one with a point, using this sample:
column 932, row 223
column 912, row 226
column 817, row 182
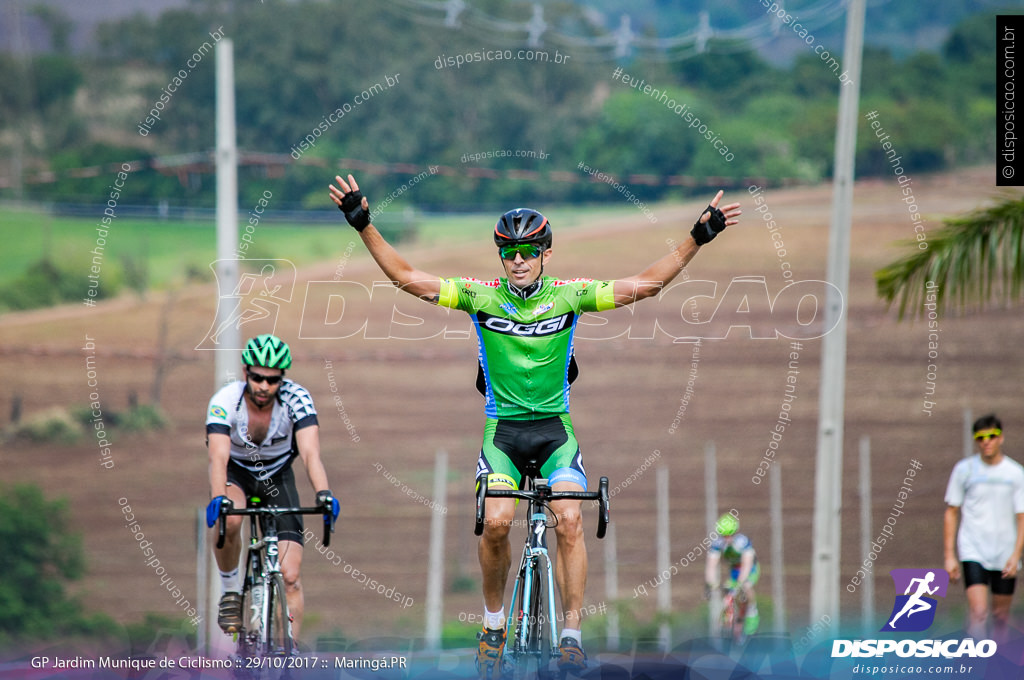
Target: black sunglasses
column 269, row 379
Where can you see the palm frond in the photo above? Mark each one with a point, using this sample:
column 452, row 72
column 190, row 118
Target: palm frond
column 968, row 261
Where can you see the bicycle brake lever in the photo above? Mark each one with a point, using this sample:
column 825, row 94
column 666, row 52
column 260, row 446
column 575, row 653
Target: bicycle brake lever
column 604, row 516
column 328, row 528
column 222, row 523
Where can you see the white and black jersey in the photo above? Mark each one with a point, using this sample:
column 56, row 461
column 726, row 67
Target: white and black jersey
column 228, row 414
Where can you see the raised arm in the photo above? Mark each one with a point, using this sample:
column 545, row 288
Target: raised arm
column 656, row 276
column 357, row 211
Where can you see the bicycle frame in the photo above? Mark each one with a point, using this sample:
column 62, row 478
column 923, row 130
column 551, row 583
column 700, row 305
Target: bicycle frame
column 262, row 564
column 263, row 568
column 734, row 612
column 525, row 620
column 534, row 552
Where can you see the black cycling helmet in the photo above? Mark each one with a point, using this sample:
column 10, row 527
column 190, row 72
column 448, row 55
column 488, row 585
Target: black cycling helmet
column 522, row 225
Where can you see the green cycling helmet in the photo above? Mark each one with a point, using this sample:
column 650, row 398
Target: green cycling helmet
column 727, row 525
column 268, row 351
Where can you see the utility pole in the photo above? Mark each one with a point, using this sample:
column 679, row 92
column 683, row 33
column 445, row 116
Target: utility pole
column 227, row 209
column 225, row 362
column 828, row 481
column 435, row 561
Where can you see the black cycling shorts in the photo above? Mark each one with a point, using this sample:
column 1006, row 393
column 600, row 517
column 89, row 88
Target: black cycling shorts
column 277, row 490
column 975, row 574
column 545, row 448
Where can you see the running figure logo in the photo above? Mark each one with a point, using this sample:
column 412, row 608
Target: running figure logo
column 914, row 610
column 257, row 297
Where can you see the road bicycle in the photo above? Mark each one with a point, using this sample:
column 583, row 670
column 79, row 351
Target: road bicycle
column 532, row 641
column 734, row 614
column 265, row 639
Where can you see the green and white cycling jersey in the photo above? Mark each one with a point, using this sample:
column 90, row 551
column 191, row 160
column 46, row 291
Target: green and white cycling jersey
column 732, row 551
column 526, row 346
column 732, row 554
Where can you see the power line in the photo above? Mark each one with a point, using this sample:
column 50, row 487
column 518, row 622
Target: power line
column 623, row 41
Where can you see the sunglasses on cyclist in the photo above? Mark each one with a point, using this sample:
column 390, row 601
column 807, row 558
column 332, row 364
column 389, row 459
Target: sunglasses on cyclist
column 983, row 435
column 527, row 250
column 269, row 379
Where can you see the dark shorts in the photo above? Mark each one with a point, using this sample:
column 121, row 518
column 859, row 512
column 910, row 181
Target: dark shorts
column 275, row 491
column 975, row 574
column 544, row 448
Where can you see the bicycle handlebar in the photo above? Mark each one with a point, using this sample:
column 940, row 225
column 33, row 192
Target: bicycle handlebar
column 544, row 494
column 275, row 511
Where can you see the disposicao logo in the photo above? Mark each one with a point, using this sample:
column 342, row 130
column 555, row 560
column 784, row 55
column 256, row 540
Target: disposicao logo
column 914, row 611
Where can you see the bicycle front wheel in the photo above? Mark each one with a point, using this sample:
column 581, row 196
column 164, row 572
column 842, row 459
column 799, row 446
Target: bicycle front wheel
column 739, row 635
column 278, row 628
column 727, row 618
column 537, row 656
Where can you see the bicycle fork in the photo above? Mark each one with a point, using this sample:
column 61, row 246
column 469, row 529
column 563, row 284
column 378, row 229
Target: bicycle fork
column 526, row 617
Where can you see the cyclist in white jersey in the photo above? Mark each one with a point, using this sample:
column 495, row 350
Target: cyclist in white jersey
column 985, row 518
column 525, row 323
column 255, row 428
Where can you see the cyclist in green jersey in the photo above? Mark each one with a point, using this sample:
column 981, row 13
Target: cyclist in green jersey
column 525, row 323
column 738, row 552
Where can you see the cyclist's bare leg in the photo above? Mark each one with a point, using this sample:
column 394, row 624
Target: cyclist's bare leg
column 227, row 557
column 571, row 563
column 495, row 551
column 750, row 607
column 291, row 564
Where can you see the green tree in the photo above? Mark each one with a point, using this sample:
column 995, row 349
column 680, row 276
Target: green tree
column 972, row 39
column 970, row 262
column 59, row 25
column 637, row 133
column 731, row 69
column 40, row 556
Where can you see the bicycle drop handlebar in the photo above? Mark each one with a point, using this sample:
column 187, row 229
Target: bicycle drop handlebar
column 544, row 494
column 276, row 512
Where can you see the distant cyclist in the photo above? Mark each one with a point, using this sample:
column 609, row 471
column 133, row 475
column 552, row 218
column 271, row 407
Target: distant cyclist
column 738, row 552
column 525, row 323
column 255, row 428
